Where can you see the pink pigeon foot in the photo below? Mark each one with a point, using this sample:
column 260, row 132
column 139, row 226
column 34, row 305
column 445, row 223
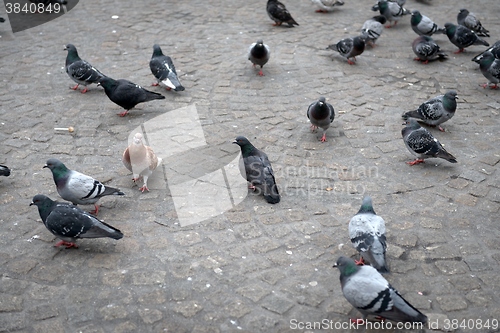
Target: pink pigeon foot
column 417, row 161
column 75, row 87
column 123, row 113
column 67, row 244
column 144, row 188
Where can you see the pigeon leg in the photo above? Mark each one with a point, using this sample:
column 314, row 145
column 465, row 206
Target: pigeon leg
column 95, row 211
column 350, row 62
column 417, row 161
column 321, row 11
column 67, row 244
column 155, row 84
column 495, row 86
column 84, row 90
column 313, row 128
column 168, row 88
column 360, row 262
column 277, row 24
column 323, row 138
column 75, row 87
column 261, row 73
column 144, row 188
column 123, row 113
column 459, row 51
column 441, row 129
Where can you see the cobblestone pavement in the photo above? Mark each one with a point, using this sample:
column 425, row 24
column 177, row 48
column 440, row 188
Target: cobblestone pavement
column 256, row 267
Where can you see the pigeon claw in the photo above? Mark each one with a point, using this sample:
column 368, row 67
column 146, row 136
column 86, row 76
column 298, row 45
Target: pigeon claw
column 323, row 138
column 95, row 211
column 351, row 62
column 321, row 11
column 459, row 51
column 123, row 113
column 360, row 262
column 144, row 188
column 155, row 84
column 67, row 244
column 495, row 86
column 441, row 129
column 313, row 128
column 417, row 161
column 75, row 87
column 84, row 90
column 261, row 73
column 168, row 88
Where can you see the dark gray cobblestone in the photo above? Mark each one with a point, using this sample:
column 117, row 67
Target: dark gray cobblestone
column 257, row 267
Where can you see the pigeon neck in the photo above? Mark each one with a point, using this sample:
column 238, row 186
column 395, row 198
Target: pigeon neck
column 366, row 209
column 349, row 270
column 44, row 209
column 60, row 174
column 247, row 149
column 72, row 57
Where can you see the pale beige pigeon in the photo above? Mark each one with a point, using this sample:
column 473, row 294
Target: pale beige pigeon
column 141, row 160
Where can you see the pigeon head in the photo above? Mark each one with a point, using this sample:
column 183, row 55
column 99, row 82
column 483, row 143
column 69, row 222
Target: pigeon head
column 487, row 59
column 452, row 95
column 412, row 124
column 463, row 12
column 57, row 167
column 72, row 54
column 321, row 101
column 44, row 205
column 450, row 29
column 107, row 83
column 137, row 140
column 366, row 205
column 346, row 266
column 382, row 6
column 70, row 48
column 416, row 17
column 241, row 141
column 380, row 18
column 157, row 50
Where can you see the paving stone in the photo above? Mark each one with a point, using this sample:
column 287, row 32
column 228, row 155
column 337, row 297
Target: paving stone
column 188, row 308
column 451, row 303
column 276, row 304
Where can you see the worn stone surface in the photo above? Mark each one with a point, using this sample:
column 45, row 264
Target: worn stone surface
column 250, row 266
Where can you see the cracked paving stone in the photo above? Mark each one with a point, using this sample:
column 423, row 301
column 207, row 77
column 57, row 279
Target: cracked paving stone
column 44, row 311
column 254, row 292
column 473, row 176
column 188, row 308
column 451, row 303
column 277, row 304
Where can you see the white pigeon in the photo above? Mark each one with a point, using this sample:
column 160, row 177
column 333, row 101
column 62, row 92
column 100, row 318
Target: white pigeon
column 141, row 160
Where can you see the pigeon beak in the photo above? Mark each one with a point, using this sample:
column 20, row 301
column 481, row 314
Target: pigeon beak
column 45, row 166
column 334, row 265
column 98, row 84
column 235, row 142
column 32, row 203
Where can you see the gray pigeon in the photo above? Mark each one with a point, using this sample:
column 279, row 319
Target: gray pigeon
column 325, row 6
column 320, row 114
column 372, row 29
column 399, row 2
column 76, row 187
column 279, row 14
column 367, row 234
column 79, row 70
column 127, row 94
column 424, row 26
column 370, row 293
column 435, row 111
column 163, row 69
column 469, row 20
column 422, row 144
column 426, row 49
column 69, row 222
column 495, row 49
column 4, row 171
column 349, row 48
column 462, row 37
column 258, row 54
column 490, row 67
column 259, row 172
column 392, row 11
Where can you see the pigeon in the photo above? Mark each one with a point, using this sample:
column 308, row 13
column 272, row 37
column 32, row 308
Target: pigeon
column 163, row 69
column 79, row 70
column 141, row 160
column 469, row 20
column 399, row 2
column 372, row 29
column 259, row 54
column 435, row 111
column 4, row 171
column 462, row 37
column 78, row 188
column 425, row 48
column 68, row 222
column 367, row 234
column 490, row 67
column 127, row 94
column 392, row 11
column 349, row 48
column 422, row 144
column 279, row 14
column 494, row 49
column 424, row 26
column 370, row 293
column 326, row 6
column 259, row 172
column 320, row 114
